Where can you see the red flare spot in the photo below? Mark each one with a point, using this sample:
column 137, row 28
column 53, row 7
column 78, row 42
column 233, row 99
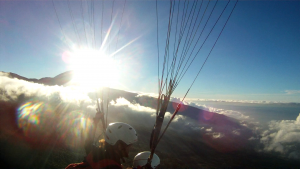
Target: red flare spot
column 207, row 115
column 66, row 56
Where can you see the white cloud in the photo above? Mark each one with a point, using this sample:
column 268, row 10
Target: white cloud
column 4, row 74
column 80, row 106
column 209, row 129
column 281, row 135
column 48, row 109
column 218, row 135
column 236, row 101
column 175, row 99
column 244, row 120
column 12, row 88
column 298, row 119
column 143, row 115
column 292, row 91
column 135, row 106
column 147, row 94
column 230, row 113
column 236, row 132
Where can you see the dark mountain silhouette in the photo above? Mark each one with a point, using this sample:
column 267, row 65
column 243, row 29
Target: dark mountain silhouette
column 60, row 79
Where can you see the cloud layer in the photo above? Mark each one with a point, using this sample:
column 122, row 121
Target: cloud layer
column 68, row 112
column 292, row 91
column 244, row 101
column 280, row 136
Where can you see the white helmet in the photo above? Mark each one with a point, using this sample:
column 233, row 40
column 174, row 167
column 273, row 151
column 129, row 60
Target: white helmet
column 141, row 159
column 120, row 131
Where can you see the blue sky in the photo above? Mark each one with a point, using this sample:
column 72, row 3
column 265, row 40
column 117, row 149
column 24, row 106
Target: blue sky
column 256, row 57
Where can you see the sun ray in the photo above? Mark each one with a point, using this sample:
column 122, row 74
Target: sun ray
column 107, row 35
column 124, row 46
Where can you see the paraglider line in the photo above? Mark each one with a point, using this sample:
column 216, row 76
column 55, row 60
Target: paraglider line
column 83, row 23
column 120, row 24
column 212, row 47
column 74, row 25
column 59, row 20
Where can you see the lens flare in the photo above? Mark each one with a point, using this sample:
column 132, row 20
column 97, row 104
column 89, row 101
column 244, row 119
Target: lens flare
column 35, row 119
column 74, row 128
column 208, row 115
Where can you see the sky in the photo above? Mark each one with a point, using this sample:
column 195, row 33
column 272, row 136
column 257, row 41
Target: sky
column 255, row 58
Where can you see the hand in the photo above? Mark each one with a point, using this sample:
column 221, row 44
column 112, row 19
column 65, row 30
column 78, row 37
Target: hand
column 98, row 116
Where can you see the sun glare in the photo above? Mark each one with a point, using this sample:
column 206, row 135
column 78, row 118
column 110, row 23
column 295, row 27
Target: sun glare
column 92, row 68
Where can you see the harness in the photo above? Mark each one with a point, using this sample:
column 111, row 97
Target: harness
column 101, row 163
column 90, row 163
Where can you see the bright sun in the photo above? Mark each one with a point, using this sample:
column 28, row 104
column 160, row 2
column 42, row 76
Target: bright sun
column 93, row 68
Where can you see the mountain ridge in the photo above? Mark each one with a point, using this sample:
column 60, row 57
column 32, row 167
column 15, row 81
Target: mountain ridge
column 60, row 79
column 203, row 116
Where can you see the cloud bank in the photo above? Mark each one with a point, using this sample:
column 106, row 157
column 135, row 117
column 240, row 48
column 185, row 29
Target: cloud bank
column 240, row 101
column 292, row 91
column 230, row 113
column 68, row 112
column 283, row 137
